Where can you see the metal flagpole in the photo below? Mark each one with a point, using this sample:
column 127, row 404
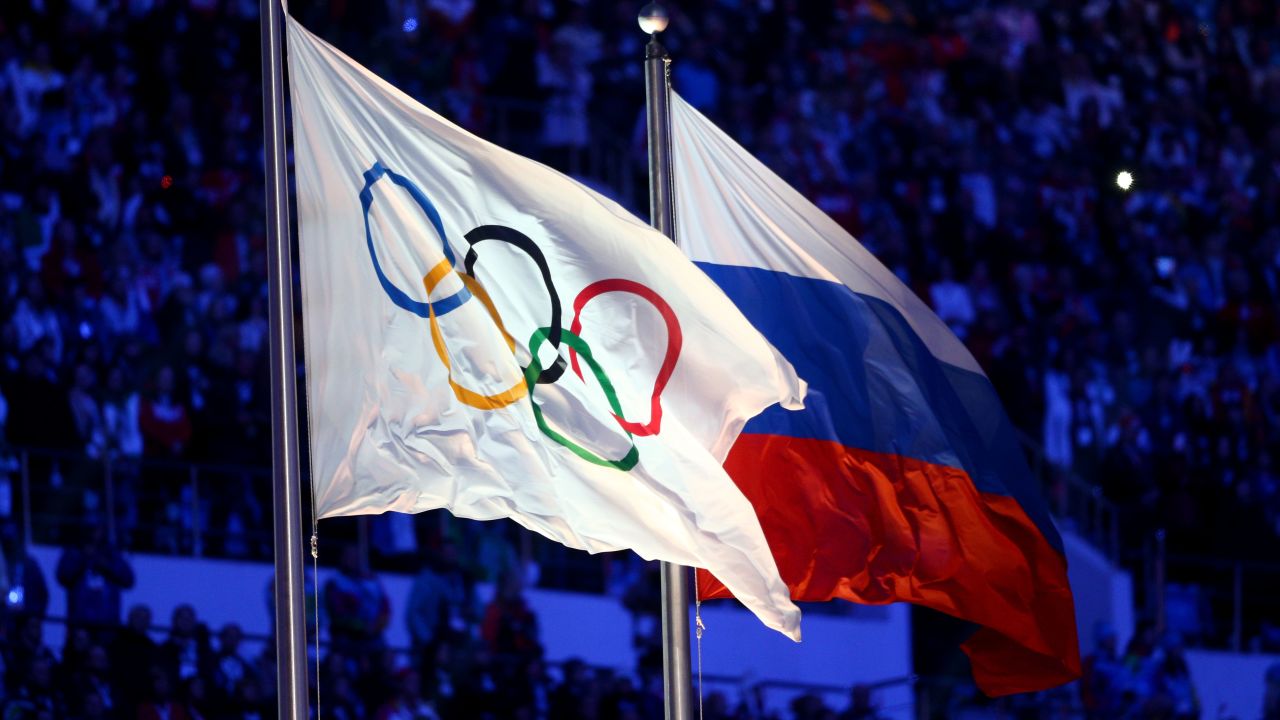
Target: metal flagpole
column 291, row 628
column 675, row 584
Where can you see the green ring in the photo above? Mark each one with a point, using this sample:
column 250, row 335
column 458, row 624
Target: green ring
column 534, row 369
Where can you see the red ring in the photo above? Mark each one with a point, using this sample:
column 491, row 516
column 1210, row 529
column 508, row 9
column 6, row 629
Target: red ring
column 674, row 340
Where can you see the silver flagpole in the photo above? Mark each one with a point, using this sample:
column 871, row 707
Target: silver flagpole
column 676, row 673
column 291, row 627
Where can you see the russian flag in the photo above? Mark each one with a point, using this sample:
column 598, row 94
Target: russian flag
column 902, row 479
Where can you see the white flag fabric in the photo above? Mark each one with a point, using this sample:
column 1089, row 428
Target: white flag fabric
column 486, row 335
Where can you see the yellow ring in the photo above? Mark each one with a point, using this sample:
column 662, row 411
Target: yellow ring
column 465, row 396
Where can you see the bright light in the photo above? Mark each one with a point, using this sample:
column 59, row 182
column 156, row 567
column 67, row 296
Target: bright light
column 1124, row 180
column 653, row 18
column 410, row 25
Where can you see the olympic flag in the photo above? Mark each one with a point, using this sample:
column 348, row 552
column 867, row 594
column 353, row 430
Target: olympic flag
column 486, row 335
column 902, row 478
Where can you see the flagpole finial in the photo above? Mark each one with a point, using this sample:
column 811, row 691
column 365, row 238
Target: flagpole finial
column 653, row 18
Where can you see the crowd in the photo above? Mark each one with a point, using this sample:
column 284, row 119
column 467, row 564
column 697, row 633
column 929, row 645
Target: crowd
column 470, row 658
column 1149, row 679
column 132, row 274
column 475, row 653
column 974, row 147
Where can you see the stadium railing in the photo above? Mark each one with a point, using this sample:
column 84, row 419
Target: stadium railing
column 1213, row 602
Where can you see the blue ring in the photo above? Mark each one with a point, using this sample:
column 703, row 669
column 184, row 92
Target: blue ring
column 398, row 296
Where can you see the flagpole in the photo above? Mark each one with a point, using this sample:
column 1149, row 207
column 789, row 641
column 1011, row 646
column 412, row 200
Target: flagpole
column 291, row 628
column 676, row 673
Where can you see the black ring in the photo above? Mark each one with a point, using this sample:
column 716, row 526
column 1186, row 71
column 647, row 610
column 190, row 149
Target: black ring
column 521, row 241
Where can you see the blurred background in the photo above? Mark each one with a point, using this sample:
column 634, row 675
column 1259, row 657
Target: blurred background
column 1086, row 192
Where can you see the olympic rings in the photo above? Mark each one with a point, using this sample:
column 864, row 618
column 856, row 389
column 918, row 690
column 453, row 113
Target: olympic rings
column 675, row 339
column 534, row 373
column 398, row 296
column 531, row 374
column 519, row 240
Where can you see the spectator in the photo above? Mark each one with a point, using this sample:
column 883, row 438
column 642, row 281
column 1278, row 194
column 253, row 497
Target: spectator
column 161, row 702
column 809, row 706
column 1104, row 682
column 408, row 703
column 568, row 85
column 187, row 654
column 510, row 629
column 584, row 41
column 861, row 706
column 716, row 707
column 440, row 608
column 131, row 650
column 570, row 697
column 120, row 407
column 96, row 681
column 35, row 320
column 38, row 694
column 25, row 656
column 195, row 697
column 356, row 606
column 30, row 82
column 254, row 704
column 163, row 418
column 952, row 302
column 94, row 574
column 93, row 707
column 1058, row 446
column 122, row 309
column 1170, row 680
column 231, row 669
column 86, row 413
column 74, row 659
column 343, row 702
